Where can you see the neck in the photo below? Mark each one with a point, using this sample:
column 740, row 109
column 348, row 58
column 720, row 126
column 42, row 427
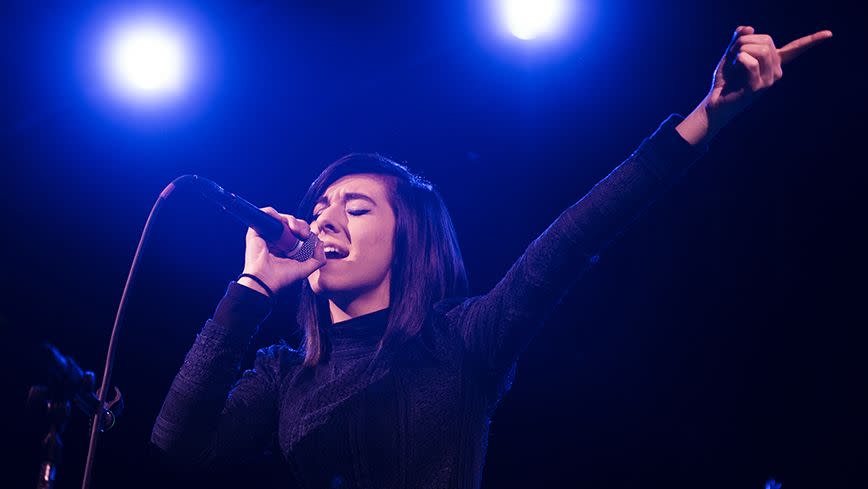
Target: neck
column 366, row 303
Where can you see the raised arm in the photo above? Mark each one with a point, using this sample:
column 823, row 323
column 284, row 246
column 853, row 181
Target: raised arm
column 498, row 326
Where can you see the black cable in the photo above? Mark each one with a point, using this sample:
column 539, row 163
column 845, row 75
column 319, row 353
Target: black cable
column 96, row 422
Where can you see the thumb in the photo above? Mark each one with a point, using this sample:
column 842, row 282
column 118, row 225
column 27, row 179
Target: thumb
column 316, row 260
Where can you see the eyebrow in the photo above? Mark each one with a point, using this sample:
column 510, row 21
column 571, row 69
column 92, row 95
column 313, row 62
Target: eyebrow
column 347, row 197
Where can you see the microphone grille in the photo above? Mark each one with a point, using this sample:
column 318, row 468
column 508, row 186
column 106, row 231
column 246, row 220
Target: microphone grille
column 305, row 252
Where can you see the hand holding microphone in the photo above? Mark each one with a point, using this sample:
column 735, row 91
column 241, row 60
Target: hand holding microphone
column 280, row 250
column 267, row 259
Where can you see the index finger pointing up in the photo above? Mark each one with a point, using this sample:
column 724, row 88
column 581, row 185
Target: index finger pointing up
column 792, row 50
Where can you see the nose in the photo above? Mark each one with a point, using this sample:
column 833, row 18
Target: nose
column 327, row 221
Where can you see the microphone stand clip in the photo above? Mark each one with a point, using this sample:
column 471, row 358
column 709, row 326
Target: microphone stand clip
column 68, row 384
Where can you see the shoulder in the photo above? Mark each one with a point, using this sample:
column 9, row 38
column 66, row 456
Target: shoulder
column 450, row 306
column 277, row 359
column 453, row 311
column 450, row 316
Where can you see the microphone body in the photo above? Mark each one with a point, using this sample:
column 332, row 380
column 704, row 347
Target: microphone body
column 272, row 230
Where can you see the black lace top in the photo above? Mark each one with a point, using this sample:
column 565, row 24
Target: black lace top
column 417, row 417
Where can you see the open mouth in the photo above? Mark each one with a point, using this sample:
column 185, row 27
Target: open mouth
column 334, row 253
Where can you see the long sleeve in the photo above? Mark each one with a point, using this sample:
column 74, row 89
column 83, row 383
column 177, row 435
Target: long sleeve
column 209, row 413
column 498, row 326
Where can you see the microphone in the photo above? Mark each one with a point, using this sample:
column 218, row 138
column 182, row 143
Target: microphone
column 272, row 229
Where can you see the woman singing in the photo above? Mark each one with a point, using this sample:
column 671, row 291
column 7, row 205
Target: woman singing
column 399, row 373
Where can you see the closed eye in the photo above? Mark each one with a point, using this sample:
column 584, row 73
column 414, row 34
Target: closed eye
column 358, row 212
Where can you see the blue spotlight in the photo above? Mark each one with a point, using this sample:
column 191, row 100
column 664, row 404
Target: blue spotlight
column 529, row 19
column 147, row 59
column 149, row 66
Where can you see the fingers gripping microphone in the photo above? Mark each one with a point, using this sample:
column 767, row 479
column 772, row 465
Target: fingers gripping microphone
column 272, row 229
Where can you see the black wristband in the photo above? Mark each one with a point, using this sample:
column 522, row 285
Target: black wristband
column 258, row 280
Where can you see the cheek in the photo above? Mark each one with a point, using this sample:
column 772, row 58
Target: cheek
column 383, row 247
column 374, row 240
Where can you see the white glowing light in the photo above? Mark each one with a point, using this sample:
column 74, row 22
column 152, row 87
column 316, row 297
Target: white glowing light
column 147, row 58
column 528, row 19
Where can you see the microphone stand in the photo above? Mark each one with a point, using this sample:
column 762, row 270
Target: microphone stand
column 67, row 384
column 52, row 445
column 104, row 413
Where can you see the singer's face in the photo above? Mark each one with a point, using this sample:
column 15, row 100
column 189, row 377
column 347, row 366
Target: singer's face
column 356, row 223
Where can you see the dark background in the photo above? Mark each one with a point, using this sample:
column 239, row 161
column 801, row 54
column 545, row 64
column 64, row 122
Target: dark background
column 718, row 343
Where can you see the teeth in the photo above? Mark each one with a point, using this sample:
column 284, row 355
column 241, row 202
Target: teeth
column 332, row 249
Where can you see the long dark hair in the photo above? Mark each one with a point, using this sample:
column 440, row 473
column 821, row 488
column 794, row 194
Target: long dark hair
column 426, row 267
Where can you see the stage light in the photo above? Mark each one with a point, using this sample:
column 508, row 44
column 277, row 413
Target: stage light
column 529, row 19
column 147, row 59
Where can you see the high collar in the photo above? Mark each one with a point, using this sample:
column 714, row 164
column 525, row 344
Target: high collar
column 359, row 333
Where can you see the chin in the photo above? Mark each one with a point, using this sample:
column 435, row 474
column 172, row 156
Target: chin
column 314, row 281
column 325, row 284
column 334, row 283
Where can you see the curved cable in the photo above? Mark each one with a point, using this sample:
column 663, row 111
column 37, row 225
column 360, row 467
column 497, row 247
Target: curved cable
column 96, row 422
